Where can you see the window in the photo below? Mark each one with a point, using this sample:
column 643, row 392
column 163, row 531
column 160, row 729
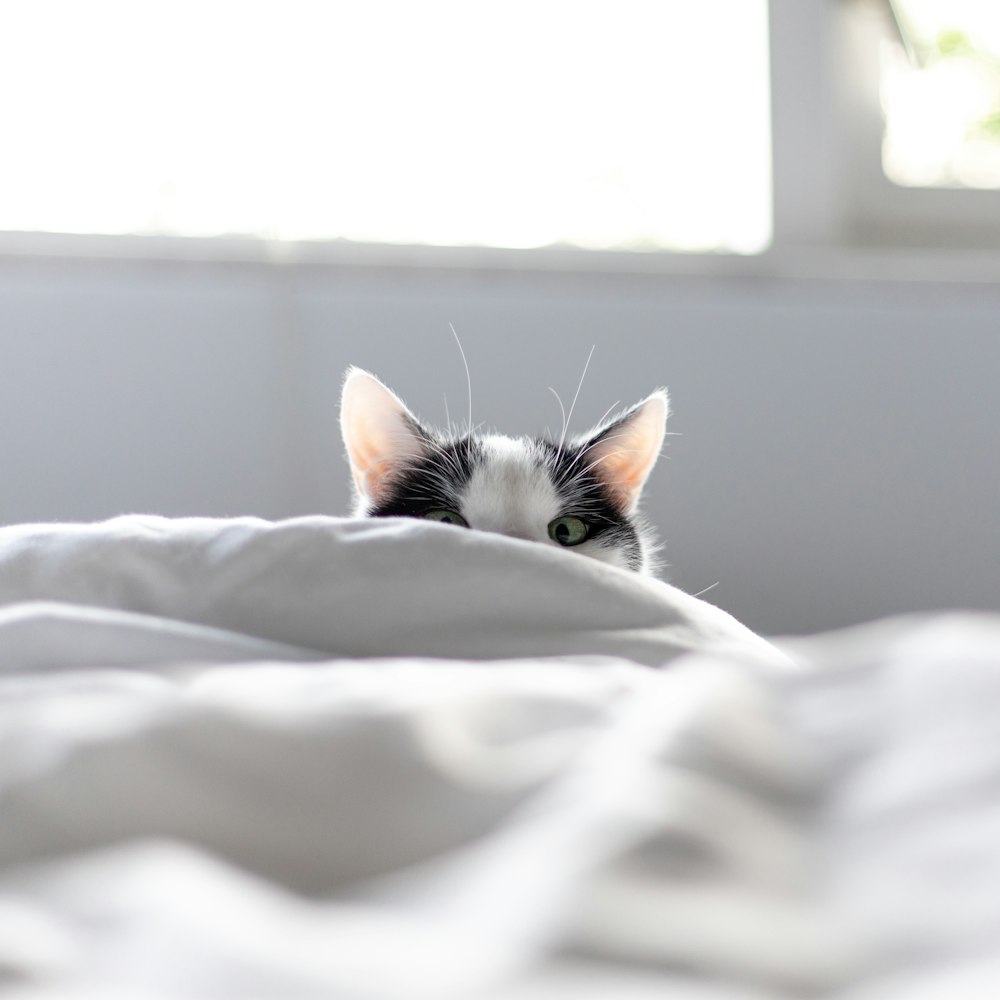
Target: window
column 941, row 94
column 633, row 125
column 831, row 140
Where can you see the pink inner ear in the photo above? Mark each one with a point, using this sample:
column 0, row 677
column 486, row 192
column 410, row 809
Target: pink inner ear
column 379, row 433
column 374, row 479
column 626, row 454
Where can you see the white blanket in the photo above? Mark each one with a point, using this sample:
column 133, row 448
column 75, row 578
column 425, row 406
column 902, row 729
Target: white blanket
column 395, row 760
column 320, row 586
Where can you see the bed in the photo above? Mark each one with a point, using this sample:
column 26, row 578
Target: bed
column 391, row 759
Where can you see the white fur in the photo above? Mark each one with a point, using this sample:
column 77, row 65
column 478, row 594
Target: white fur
column 511, row 493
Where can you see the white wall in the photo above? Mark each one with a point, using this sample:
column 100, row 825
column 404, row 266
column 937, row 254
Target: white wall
column 837, row 456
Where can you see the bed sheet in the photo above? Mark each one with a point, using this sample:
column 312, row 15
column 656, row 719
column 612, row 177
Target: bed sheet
column 313, row 587
column 216, row 780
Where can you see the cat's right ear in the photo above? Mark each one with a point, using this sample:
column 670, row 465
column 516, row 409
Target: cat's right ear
column 380, row 434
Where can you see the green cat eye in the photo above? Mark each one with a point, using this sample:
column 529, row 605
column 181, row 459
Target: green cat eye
column 446, row 517
column 568, row 530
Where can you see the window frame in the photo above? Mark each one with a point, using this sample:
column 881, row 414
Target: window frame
column 829, row 186
column 835, row 213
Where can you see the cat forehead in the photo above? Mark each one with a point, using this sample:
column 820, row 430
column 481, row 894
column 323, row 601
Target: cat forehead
column 511, row 461
column 502, row 461
column 507, row 450
column 510, row 489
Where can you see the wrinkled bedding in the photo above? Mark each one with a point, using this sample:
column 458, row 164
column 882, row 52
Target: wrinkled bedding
column 318, row 587
column 389, row 760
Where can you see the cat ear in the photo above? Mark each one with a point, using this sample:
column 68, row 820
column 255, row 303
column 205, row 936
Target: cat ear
column 380, row 433
column 622, row 453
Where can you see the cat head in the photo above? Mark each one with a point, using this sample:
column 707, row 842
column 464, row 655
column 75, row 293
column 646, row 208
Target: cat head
column 582, row 495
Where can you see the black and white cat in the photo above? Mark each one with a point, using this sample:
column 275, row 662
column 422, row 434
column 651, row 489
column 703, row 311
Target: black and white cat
column 582, row 495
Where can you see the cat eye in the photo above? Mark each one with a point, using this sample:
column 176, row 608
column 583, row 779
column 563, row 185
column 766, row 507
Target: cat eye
column 446, row 517
column 568, row 530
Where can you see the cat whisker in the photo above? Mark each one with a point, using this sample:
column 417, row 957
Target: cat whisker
column 605, row 439
column 576, row 395
column 562, row 410
column 468, row 376
column 614, row 454
column 707, row 589
column 608, row 411
column 574, row 468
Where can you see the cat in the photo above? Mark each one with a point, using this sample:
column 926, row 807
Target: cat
column 580, row 495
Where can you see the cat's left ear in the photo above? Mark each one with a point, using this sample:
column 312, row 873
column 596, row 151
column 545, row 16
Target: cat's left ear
column 380, row 434
column 623, row 452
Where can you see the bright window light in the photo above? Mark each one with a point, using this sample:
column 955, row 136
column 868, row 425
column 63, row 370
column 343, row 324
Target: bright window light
column 633, row 124
column 942, row 104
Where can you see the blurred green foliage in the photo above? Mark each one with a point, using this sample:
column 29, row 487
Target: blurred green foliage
column 952, row 43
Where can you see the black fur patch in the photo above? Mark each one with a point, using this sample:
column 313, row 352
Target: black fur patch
column 586, row 496
column 433, row 482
